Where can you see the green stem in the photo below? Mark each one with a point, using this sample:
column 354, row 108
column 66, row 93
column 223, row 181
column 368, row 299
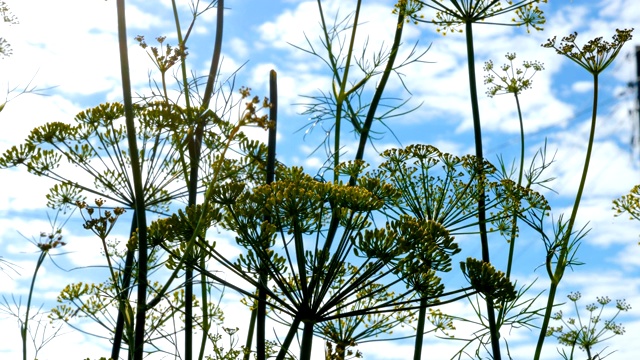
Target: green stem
column 215, row 59
column 514, row 217
column 137, row 184
column 307, row 341
column 194, row 157
column 583, row 179
column 588, row 350
column 25, row 324
column 566, row 236
column 123, row 296
column 188, row 309
column 185, row 82
column 545, row 320
column 417, row 349
column 477, row 133
column 375, row 101
column 206, row 324
column 284, row 347
column 252, row 326
column 191, row 243
column 482, row 220
column 261, row 342
column 341, row 94
column 208, row 94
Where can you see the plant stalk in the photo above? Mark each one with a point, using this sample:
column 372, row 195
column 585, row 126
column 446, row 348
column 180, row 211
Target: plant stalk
column 134, row 154
column 482, row 219
column 566, row 237
column 25, row 324
column 375, row 101
column 124, row 295
column 417, row 349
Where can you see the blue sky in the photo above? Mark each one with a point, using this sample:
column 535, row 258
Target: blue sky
column 70, row 47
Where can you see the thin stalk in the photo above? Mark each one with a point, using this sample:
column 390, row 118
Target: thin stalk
column 206, row 324
column 271, row 165
column 141, row 310
column 564, row 251
column 25, row 324
column 284, row 347
column 375, row 101
column 417, row 349
column 208, row 94
column 185, row 82
column 545, row 320
column 252, row 327
column 192, row 182
column 194, row 146
column 482, row 219
column 259, row 313
column 124, row 295
column 341, row 94
column 514, row 217
column 215, row 59
column 477, row 132
column 188, row 309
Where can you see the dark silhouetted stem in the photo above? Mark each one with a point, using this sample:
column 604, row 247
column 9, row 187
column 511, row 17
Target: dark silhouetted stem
column 124, row 294
column 482, row 219
column 141, row 310
column 293, row 329
column 307, row 341
column 417, row 349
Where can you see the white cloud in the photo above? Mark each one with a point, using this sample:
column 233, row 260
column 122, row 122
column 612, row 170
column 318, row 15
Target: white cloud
column 582, row 86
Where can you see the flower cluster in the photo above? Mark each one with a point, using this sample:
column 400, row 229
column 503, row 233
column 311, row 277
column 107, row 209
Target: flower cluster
column 585, row 334
column 50, row 241
column 450, row 15
column 629, row 203
column 411, row 9
column 514, row 81
column 167, row 56
column 101, row 225
column 250, row 114
column 488, row 281
column 596, row 55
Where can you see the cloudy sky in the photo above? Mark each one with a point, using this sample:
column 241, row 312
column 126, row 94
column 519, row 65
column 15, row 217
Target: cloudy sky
column 68, row 49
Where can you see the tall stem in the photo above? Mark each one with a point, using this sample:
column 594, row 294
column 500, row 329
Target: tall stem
column 482, row 220
column 206, row 323
column 194, row 161
column 545, row 320
column 377, row 96
column 124, row 295
column 25, row 324
column 141, row 310
column 307, row 341
column 252, row 327
column 284, row 347
column 417, row 349
column 340, row 94
column 514, row 216
column 271, row 165
column 562, row 264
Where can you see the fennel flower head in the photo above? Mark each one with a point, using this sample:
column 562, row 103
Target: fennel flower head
column 451, row 16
